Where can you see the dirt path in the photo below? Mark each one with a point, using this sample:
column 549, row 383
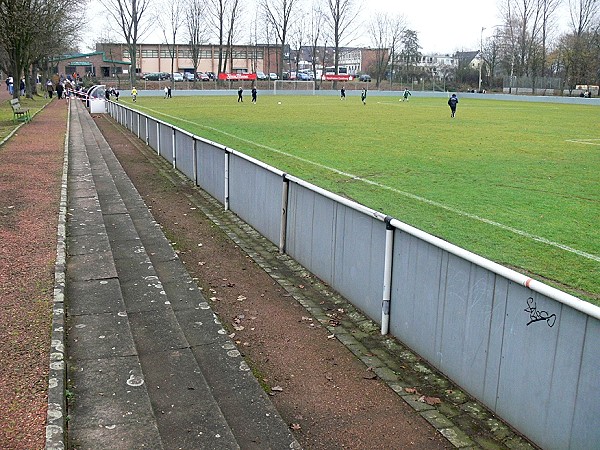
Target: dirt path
column 30, row 181
column 323, row 391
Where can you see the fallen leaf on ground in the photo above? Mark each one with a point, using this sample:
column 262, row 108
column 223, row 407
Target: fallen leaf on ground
column 277, row 389
column 411, row 390
column 295, row 426
column 432, row 401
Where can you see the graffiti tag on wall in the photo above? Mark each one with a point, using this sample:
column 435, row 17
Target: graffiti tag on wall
column 536, row 315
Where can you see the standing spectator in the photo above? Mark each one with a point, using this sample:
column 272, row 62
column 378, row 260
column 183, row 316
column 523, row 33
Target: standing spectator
column 253, row 94
column 7, row 78
column 343, row 93
column 169, row 92
column 405, row 95
column 59, row 90
column 107, row 94
column 22, row 86
column 49, row 88
column 240, row 92
column 452, row 102
column 116, row 94
column 10, row 85
column 166, row 92
column 363, row 96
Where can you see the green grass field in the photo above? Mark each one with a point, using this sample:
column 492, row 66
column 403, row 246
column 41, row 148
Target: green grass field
column 516, row 182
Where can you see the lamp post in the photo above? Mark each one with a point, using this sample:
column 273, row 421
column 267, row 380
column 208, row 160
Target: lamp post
column 480, row 57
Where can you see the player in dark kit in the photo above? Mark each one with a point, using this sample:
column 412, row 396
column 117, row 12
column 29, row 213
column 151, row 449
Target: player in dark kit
column 240, row 93
column 363, row 96
column 253, row 94
column 343, row 93
column 452, row 102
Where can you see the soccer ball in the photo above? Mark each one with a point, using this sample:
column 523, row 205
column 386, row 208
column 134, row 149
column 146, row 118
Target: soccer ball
column 279, row 103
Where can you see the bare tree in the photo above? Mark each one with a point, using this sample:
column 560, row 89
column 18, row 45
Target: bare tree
column 341, row 18
column 548, row 10
column 195, row 27
column 522, row 18
column 30, row 36
column 315, row 34
column 279, row 14
column 583, row 15
column 386, row 33
column 223, row 17
column 130, row 18
column 580, row 48
column 298, row 36
column 170, row 21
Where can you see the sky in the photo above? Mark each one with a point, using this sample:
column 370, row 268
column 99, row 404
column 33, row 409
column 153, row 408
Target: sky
column 443, row 26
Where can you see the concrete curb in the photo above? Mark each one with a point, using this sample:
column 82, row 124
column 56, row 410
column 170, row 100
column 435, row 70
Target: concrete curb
column 56, row 419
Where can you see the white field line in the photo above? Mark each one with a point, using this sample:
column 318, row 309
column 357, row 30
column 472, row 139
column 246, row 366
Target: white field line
column 584, row 141
column 398, row 191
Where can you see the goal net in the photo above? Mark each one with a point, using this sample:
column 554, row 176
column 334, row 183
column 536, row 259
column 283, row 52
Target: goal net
column 293, row 85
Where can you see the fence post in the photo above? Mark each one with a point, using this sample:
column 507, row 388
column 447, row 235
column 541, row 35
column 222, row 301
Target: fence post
column 139, row 121
column 174, row 149
column 147, row 132
column 284, row 207
column 158, row 138
column 387, row 276
column 226, row 193
column 195, row 160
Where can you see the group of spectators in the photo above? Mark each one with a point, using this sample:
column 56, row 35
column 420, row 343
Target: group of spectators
column 10, row 85
column 60, row 85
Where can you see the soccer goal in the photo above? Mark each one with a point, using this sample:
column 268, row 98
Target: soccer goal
column 293, row 85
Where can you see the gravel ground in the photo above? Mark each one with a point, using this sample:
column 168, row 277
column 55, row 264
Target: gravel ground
column 30, row 181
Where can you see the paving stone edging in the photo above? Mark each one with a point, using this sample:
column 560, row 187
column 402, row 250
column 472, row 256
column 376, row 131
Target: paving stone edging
column 56, row 419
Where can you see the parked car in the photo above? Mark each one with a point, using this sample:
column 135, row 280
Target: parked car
column 188, row 76
column 302, row 76
column 211, row 75
column 364, row 77
column 202, row 76
column 177, row 76
column 261, row 76
column 156, row 76
column 273, row 76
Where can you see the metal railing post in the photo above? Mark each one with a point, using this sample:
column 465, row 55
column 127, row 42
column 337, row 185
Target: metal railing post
column 226, row 181
column 387, row 276
column 195, row 161
column 174, row 149
column 284, row 207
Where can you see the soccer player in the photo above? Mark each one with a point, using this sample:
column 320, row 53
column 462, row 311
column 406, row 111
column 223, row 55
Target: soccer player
column 134, row 94
column 343, row 93
column 452, row 102
column 363, row 96
column 240, row 92
column 406, row 94
column 253, row 94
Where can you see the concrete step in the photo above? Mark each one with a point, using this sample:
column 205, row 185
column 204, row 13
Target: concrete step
column 149, row 362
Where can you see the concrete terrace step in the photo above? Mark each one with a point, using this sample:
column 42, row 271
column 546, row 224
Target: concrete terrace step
column 149, row 364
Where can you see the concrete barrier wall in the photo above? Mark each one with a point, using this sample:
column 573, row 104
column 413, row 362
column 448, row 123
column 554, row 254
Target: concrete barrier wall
column 255, row 196
column 527, row 351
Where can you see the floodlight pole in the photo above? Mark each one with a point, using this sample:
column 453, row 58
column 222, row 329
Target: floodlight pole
column 480, row 57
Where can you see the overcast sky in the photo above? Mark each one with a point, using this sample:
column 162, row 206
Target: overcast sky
column 443, row 26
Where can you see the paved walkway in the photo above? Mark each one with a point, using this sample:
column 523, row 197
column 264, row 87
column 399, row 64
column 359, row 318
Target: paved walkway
column 148, row 363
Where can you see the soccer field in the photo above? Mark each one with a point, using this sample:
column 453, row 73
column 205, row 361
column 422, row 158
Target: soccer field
column 516, row 182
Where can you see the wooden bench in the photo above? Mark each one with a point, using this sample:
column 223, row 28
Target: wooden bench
column 19, row 114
